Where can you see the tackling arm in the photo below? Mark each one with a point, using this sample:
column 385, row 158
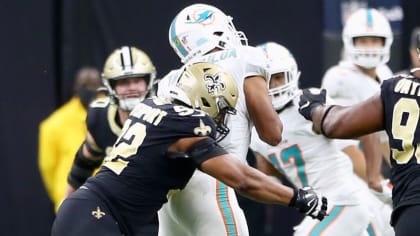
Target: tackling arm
column 215, row 161
column 347, row 122
column 255, row 185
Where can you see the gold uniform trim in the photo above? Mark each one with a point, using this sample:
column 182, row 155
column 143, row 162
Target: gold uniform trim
column 112, row 113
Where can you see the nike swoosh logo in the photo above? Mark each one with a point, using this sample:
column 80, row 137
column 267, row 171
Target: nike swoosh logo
column 310, row 202
column 307, row 103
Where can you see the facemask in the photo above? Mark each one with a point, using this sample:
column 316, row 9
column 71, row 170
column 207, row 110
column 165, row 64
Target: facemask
column 128, row 104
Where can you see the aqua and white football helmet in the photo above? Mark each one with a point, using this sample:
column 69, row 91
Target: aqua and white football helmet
column 199, row 28
column 280, row 60
column 367, row 22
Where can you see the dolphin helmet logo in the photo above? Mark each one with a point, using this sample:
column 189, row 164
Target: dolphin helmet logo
column 203, row 17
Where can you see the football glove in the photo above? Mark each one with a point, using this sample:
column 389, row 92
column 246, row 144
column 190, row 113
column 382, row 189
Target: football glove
column 310, row 99
column 307, row 201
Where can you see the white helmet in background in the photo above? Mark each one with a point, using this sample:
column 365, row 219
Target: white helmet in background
column 367, row 22
column 280, row 60
column 199, row 28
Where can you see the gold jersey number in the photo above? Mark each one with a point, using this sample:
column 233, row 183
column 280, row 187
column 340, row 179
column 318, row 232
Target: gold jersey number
column 125, row 146
column 408, row 110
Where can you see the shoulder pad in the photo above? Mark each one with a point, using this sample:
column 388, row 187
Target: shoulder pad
column 100, row 103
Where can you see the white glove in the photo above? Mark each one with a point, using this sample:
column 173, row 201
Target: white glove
column 386, row 195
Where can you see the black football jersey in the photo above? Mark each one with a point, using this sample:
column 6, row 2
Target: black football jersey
column 401, row 99
column 139, row 172
column 103, row 124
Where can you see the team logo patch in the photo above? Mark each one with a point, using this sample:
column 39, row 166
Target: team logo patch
column 202, row 130
column 202, row 16
column 214, row 83
column 98, row 214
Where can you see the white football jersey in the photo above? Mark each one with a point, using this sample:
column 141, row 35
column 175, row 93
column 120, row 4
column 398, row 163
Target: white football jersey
column 214, row 201
column 309, row 159
column 348, row 85
column 241, row 62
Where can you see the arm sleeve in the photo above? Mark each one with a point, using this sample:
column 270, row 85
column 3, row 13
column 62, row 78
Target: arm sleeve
column 204, row 150
column 256, row 63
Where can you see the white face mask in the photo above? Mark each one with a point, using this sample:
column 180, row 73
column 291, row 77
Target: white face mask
column 369, row 58
column 128, row 104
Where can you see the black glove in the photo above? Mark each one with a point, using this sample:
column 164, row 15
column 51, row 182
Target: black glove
column 309, row 100
column 310, row 203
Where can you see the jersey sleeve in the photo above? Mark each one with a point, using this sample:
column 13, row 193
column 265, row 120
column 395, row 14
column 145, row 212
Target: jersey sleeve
column 187, row 122
column 336, row 84
column 256, row 63
column 91, row 120
column 257, row 145
column 167, row 81
column 95, row 121
column 184, row 122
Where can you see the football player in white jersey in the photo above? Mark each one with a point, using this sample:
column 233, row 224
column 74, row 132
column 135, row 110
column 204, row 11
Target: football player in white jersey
column 367, row 39
column 307, row 158
column 206, row 206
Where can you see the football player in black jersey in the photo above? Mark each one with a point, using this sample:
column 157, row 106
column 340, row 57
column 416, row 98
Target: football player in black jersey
column 396, row 109
column 128, row 75
column 162, row 143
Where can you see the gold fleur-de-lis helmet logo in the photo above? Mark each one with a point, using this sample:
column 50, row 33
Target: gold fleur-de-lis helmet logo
column 214, row 83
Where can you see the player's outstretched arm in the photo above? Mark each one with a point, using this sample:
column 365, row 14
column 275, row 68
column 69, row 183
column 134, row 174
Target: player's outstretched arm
column 215, row 161
column 254, row 184
column 338, row 121
column 354, row 121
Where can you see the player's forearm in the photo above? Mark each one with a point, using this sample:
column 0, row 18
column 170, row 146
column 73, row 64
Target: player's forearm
column 358, row 159
column 336, row 122
column 371, row 149
column 83, row 166
column 263, row 188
